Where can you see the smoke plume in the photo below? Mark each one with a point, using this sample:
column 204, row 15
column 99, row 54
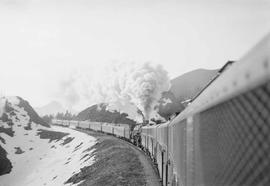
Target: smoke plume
column 129, row 84
column 74, row 90
column 125, row 87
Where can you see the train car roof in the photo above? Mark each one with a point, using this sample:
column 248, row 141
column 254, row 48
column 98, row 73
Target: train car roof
column 157, row 126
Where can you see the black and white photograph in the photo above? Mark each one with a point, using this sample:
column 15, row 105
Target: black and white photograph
column 134, row 92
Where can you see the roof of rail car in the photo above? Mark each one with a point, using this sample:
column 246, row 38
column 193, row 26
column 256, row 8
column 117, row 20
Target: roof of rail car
column 149, row 126
column 222, row 69
column 245, row 74
column 163, row 124
column 156, row 126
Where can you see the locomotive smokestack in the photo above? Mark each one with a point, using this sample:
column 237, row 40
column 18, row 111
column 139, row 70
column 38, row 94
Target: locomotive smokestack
column 144, row 120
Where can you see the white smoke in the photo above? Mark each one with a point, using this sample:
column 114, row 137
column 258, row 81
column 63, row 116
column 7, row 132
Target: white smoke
column 69, row 93
column 125, row 87
column 128, row 85
column 74, row 90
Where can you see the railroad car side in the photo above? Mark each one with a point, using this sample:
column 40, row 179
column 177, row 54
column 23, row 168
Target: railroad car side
column 221, row 137
column 84, row 124
column 162, row 150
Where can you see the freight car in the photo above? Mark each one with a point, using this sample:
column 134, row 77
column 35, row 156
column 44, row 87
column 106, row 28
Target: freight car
column 119, row 130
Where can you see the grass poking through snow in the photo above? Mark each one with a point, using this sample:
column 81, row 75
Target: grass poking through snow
column 115, row 164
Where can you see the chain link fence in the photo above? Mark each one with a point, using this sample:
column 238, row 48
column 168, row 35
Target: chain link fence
column 234, row 141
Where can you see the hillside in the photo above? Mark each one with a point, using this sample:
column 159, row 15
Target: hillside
column 13, row 110
column 169, row 105
column 184, row 87
column 101, row 114
column 189, row 84
column 33, row 153
column 11, row 106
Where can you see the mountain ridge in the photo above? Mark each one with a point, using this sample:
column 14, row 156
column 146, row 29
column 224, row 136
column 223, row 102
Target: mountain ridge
column 99, row 112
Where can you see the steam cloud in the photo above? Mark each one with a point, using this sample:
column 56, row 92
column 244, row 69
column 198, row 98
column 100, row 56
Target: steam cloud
column 70, row 94
column 125, row 87
column 74, row 91
column 140, row 85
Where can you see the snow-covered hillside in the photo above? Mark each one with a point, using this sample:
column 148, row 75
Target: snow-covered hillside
column 33, row 153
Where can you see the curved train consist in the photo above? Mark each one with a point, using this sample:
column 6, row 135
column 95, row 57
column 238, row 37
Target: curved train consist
column 222, row 138
column 119, row 130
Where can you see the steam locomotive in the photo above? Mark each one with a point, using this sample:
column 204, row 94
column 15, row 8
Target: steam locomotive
column 222, row 138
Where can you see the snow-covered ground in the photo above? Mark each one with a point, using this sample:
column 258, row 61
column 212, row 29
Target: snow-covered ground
column 41, row 155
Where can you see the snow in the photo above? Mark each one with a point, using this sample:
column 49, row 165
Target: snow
column 43, row 162
column 13, row 99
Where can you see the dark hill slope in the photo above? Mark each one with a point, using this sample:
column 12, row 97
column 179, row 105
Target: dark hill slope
column 189, row 84
column 184, row 87
column 100, row 114
column 173, row 106
column 34, row 117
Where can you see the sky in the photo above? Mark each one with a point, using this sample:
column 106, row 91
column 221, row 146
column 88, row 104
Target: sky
column 43, row 42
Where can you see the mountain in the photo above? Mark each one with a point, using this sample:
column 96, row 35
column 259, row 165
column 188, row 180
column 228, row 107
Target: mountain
column 51, row 108
column 189, row 84
column 184, row 87
column 33, row 153
column 100, row 113
column 14, row 109
column 14, row 105
column 169, row 105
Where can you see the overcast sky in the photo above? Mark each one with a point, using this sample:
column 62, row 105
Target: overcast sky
column 43, row 41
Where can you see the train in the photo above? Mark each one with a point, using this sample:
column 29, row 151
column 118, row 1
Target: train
column 118, row 130
column 222, row 138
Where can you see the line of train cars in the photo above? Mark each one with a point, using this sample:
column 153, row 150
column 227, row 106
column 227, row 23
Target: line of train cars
column 222, row 137
column 119, row 130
